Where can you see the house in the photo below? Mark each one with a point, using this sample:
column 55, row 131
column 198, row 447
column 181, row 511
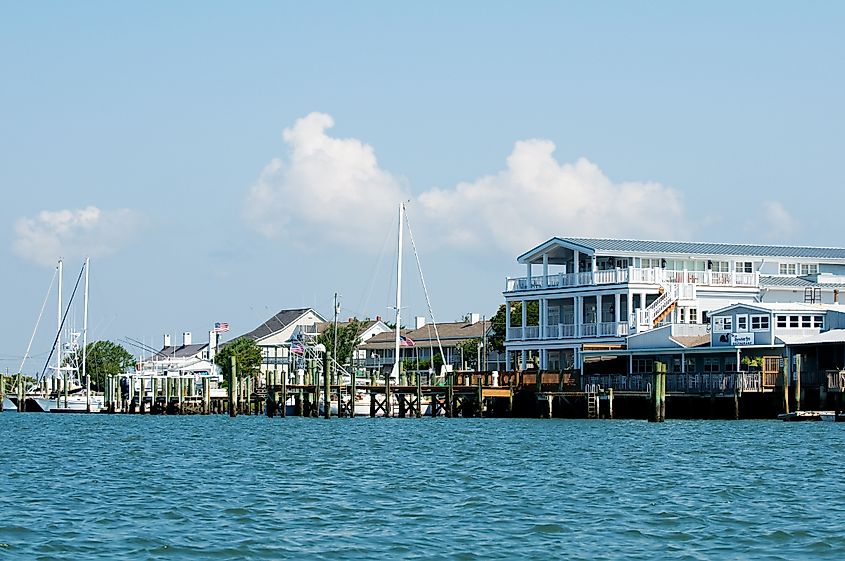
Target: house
column 189, row 357
column 595, row 296
column 274, row 336
column 421, row 343
column 369, row 328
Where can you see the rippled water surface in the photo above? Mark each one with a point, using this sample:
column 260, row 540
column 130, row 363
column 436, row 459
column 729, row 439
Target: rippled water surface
column 115, row 487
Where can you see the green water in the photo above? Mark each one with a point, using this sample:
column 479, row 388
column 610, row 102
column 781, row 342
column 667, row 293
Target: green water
column 178, row 488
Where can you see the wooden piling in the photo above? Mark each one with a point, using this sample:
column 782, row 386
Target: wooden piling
column 387, row 405
column 419, row 396
column 657, row 397
column 21, row 394
column 233, row 376
column 450, row 395
column 786, row 386
column 353, row 393
column 610, row 403
column 206, row 396
column 797, row 396
column 327, row 396
column 479, row 404
column 284, row 404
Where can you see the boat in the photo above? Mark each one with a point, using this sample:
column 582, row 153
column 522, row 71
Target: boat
column 802, row 416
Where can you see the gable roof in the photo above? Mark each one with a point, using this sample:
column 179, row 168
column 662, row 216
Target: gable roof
column 365, row 325
column 609, row 246
column 180, row 351
column 278, row 322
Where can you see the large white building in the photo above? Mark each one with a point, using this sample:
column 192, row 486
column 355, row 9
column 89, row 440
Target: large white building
column 583, row 294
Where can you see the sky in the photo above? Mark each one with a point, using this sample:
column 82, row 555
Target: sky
column 220, row 161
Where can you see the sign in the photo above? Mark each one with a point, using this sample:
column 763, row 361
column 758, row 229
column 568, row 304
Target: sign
column 742, row 339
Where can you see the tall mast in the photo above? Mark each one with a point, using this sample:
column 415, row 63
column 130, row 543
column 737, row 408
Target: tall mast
column 59, row 325
column 85, row 341
column 395, row 372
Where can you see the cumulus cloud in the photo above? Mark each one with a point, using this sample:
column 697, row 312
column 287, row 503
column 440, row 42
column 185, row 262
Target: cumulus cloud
column 334, row 189
column 72, row 234
column 778, row 222
column 328, row 188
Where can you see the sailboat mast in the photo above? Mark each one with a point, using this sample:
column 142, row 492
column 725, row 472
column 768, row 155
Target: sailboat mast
column 85, row 341
column 395, row 372
column 59, row 326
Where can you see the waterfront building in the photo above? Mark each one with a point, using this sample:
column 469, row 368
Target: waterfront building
column 587, row 295
column 189, row 357
column 274, row 336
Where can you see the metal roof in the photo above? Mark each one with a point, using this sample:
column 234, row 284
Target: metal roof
column 180, row 351
column 796, row 282
column 277, row 323
column 607, row 245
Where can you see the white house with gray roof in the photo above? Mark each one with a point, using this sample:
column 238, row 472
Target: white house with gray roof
column 273, row 336
column 594, row 293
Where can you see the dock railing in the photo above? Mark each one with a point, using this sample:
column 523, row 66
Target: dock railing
column 688, row 383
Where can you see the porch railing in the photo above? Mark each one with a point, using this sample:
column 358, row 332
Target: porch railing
column 695, row 383
column 631, row 275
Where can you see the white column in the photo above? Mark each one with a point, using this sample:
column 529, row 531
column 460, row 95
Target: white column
column 594, row 264
column 643, row 300
column 507, row 319
column 630, row 305
column 528, row 275
column 683, row 363
column 523, row 359
column 524, row 317
column 545, row 270
column 544, row 359
column 598, row 311
column 630, row 364
column 576, row 266
column 617, row 307
column 579, row 314
column 508, row 364
column 544, row 319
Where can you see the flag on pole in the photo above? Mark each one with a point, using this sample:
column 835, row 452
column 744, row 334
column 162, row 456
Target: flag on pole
column 405, row 341
column 221, row 327
column 297, row 348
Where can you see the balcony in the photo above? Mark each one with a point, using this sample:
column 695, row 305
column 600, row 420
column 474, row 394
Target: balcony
column 569, row 331
column 633, row 275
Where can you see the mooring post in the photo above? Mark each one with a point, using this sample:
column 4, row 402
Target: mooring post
column 657, row 397
column 21, row 394
column 418, row 382
column 315, row 384
column 353, row 392
column 233, row 376
column 450, row 394
column 609, row 403
column 284, row 400
column 785, row 377
column 206, row 396
column 480, row 400
column 798, row 382
column 327, row 396
column 388, row 409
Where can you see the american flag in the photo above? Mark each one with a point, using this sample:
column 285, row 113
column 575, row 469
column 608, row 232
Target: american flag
column 405, row 341
column 297, row 348
column 221, row 327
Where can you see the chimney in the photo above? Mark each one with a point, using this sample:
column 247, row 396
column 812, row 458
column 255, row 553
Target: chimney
column 835, row 295
column 186, row 338
column 474, row 318
column 166, row 339
column 378, row 318
column 419, row 322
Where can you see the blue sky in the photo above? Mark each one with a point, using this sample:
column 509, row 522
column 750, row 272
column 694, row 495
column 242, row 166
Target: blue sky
column 503, row 124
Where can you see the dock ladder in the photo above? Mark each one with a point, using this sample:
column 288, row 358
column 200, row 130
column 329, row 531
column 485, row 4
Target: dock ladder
column 592, row 404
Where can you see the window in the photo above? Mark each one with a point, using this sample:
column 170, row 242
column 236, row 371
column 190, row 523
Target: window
column 759, row 323
column 742, row 322
column 818, row 321
column 651, row 263
column 744, row 267
column 793, row 321
column 806, row 321
column 720, row 267
column 642, row 366
column 787, row 269
column 681, row 315
column 723, row 324
column 730, row 366
column 711, row 365
column 781, row 321
column 809, row 268
column 693, row 315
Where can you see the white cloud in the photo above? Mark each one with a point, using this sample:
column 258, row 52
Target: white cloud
column 778, row 223
column 331, row 188
column 334, row 189
column 72, row 234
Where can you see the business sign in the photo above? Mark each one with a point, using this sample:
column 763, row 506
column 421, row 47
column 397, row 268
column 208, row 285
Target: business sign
column 742, row 339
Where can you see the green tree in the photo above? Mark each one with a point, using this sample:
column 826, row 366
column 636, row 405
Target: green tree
column 246, row 353
column 103, row 359
column 469, row 352
column 348, row 338
column 497, row 322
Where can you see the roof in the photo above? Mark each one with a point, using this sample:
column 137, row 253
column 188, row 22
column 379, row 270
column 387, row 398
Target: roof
column 659, row 248
column 832, row 336
column 796, row 282
column 690, row 341
column 450, row 333
column 180, row 351
column 277, row 323
column 783, row 307
column 365, row 325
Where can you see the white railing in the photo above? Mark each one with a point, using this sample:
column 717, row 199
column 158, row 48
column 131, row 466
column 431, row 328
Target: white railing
column 633, row 275
column 690, row 329
column 588, row 330
column 532, row 332
column 514, row 333
column 552, row 331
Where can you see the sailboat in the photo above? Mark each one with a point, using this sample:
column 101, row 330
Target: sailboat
column 66, row 393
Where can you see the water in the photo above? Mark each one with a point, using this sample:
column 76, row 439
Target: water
column 178, row 488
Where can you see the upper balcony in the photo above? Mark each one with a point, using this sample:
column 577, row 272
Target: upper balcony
column 632, row 275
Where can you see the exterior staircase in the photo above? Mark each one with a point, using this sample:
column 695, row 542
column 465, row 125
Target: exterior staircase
column 666, row 302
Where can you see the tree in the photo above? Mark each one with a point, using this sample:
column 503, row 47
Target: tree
column 469, row 351
column 103, row 359
column 497, row 322
column 348, row 338
column 246, row 353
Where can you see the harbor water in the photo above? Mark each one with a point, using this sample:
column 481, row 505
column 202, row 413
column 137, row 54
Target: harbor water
column 209, row 487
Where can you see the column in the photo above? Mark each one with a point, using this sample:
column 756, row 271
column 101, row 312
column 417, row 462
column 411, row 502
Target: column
column 545, row 270
column 507, row 320
column 508, row 364
column 544, row 359
column 643, row 300
column 579, row 314
column 524, row 317
column 683, row 363
column 523, row 359
column 630, row 305
column 528, row 276
column 617, row 307
column 593, row 260
column 544, row 320
column 576, row 258
column 598, row 312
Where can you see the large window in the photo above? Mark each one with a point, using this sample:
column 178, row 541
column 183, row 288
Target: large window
column 818, row 321
column 809, row 268
column 693, row 315
column 720, row 266
column 648, row 263
column 759, row 323
column 742, row 323
column 642, row 366
column 711, row 364
column 781, row 321
column 744, row 267
column 787, row 269
column 723, row 324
